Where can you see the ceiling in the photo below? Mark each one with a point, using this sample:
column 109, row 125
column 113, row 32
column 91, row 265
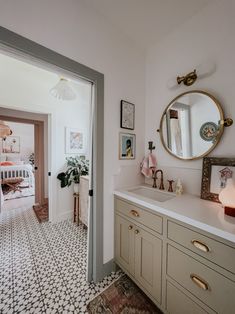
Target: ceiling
column 147, row 21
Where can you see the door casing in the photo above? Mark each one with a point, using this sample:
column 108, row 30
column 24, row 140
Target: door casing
column 31, row 51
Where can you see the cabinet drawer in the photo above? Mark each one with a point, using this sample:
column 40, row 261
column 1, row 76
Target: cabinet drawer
column 148, row 219
column 217, row 252
column 204, row 283
column 178, row 303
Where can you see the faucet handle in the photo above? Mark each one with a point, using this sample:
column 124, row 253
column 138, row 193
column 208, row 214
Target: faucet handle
column 170, row 189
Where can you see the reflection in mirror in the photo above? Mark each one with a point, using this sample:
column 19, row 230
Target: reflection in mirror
column 190, row 126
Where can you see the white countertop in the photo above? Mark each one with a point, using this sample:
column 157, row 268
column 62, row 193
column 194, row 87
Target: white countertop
column 206, row 215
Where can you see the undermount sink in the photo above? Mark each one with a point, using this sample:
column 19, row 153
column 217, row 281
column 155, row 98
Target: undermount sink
column 153, row 194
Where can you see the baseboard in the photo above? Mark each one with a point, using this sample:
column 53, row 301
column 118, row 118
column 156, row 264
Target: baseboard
column 108, row 267
column 66, row 215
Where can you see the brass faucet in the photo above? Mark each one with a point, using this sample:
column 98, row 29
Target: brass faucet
column 154, row 176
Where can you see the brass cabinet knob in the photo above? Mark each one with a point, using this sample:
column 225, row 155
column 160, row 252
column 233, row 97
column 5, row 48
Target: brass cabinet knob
column 200, row 246
column 130, row 227
column 201, row 283
column 137, row 231
column 134, row 213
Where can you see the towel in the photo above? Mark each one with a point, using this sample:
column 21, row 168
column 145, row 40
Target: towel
column 148, row 165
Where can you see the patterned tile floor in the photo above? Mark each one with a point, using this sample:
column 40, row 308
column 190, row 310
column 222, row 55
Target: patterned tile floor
column 43, row 266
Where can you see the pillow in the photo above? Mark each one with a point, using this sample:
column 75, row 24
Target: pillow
column 3, row 158
column 13, row 158
column 7, row 163
column 19, row 162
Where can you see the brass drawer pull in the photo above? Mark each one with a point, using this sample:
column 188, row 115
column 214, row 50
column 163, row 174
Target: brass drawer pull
column 134, row 213
column 130, row 227
column 201, row 246
column 137, row 231
column 199, row 282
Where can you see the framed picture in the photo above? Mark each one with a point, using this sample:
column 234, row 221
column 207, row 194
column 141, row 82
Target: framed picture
column 127, row 146
column 215, row 173
column 11, row 144
column 74, row 141
column 127, row 115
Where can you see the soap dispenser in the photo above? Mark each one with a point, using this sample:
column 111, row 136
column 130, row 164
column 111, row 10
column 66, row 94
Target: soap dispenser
column 179, row 187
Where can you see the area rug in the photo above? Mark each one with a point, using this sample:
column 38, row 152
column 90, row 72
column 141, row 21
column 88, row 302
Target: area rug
column 41, row 211
column 122, row 297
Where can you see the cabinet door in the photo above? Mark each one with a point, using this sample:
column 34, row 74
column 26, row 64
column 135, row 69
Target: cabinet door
column 148, row 259
column 124, row 243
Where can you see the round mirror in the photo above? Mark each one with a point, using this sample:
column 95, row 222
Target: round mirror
column 191, row 125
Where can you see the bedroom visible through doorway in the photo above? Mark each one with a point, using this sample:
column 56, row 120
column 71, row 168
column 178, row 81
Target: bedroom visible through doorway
column 24, row 162
column 17, row 165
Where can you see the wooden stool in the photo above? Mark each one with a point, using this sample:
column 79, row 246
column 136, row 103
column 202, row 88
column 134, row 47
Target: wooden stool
column 76, row 208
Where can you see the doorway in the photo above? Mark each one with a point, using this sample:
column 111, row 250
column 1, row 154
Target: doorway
column 20, row 47
column 25, row 154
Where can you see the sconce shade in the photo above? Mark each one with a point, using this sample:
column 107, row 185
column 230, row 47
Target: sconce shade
column 227, row 198
column 4, row 129
column 63, row 91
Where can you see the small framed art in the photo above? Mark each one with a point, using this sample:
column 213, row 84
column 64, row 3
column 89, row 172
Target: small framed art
column 127, row 115
column 11, row 144
column 74, row 141
column 127, row 146
column 215, row 173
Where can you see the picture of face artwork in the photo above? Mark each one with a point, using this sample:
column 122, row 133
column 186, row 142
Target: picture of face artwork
column 127, row 146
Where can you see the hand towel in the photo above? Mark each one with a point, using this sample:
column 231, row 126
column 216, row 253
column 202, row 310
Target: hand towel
column 148, row 165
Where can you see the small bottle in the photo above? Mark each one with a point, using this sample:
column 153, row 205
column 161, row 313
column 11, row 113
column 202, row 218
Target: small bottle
column 179, row 188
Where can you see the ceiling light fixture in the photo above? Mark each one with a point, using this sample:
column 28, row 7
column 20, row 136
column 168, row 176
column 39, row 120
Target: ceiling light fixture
column 4, row 130
column 63, row 91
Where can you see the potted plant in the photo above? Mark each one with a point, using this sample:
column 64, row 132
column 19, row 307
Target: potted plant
column 77, row 166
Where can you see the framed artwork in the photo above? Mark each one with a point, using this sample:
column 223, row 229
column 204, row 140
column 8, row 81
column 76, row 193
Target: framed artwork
column 11, row 144
column 215, row 173
column 127, row 146
column 74, row 141
column 127, row 115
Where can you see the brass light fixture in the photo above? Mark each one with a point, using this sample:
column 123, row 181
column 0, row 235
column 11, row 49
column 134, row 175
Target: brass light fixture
column 188, row 79
column 201, row 71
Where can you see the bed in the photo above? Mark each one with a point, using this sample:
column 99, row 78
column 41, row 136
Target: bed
column 24, row 171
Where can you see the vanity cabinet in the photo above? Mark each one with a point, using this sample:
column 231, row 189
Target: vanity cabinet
column 138, row 251
column 183, row 269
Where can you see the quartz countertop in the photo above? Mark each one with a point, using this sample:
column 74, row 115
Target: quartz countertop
column 190, row 209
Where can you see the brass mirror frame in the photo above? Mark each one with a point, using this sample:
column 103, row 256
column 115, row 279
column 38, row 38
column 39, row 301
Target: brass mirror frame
column 221, row 129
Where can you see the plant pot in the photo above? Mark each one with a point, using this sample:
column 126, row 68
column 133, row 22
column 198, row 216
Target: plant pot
column 76, row 188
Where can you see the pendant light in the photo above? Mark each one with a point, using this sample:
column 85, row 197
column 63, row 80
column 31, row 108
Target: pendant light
column 4, row 130
column 63, row 91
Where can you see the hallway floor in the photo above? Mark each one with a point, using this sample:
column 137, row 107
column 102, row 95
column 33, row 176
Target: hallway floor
column 43, row 266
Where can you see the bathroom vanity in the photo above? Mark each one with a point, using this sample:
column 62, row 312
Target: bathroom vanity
column 180, row 250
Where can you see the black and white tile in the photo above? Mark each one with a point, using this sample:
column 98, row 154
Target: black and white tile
column 43, row 266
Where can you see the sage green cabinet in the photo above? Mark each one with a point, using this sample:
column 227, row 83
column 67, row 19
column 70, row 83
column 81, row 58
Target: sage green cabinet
column 139, row 253
column 148, row 260
column 124, row 243
column 183, row 269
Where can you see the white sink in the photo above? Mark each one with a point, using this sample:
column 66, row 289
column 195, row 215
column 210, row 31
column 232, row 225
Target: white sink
column 152, row 193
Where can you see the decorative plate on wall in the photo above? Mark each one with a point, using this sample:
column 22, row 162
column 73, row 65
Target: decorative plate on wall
column 208, row 131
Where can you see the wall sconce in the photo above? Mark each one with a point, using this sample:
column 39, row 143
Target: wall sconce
column 188, row 79
column 227, row 198
column 201, row 71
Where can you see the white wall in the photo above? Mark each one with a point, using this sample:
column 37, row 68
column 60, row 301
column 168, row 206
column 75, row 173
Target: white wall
column 209, row 35
column 69, row 28
column 26, row 134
